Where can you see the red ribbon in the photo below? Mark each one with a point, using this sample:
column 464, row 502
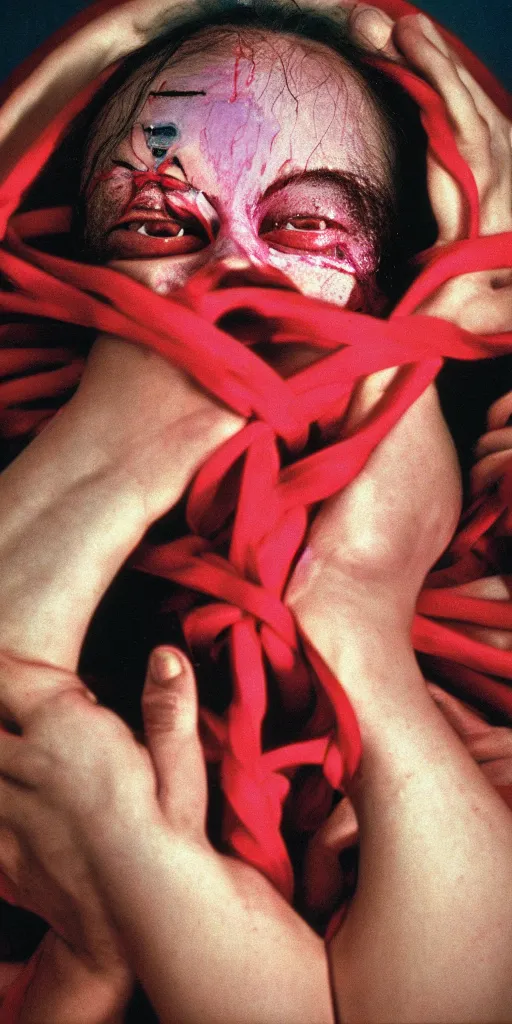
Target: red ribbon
column 240, row 550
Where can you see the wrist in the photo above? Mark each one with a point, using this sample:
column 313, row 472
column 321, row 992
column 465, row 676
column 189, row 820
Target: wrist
column 59, row 559
column 149, row 421
column 334, row 606
column 362, row 631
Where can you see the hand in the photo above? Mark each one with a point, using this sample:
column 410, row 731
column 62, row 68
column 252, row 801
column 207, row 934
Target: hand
column 146, row 420
column 58, row 770
column 97, row 821
column 494, row 449
column 81, row 973
column 480, row 302
column 371, row 29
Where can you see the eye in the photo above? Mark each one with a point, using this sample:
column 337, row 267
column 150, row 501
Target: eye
column 308, row 233
column 306, row 224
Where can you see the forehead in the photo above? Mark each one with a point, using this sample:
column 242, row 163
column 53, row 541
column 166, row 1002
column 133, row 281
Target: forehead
column 298, row 98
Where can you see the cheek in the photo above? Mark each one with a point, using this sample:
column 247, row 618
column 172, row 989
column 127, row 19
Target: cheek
column 108, row 200
column 334, row 286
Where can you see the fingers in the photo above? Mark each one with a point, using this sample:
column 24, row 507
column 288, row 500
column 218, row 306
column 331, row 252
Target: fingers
column 372, row 29
column 424, row 45
column 490, row 470
column 464, row 721
column 500, row 412
column 490, row 746
column 169, row 707
column 495, row 441
column 494, row 449
column 482, row 133
column 368, row 26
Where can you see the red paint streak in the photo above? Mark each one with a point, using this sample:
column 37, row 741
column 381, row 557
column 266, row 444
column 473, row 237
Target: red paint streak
column 143, row 178
column 245, row 53
column 174, row 201
column 238, row 56
column 140, row 179
column 252, row 72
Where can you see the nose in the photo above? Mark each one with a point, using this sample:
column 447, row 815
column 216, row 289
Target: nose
column 236, row 270
column 239, row 273
column 231, row 261
column 233, row 271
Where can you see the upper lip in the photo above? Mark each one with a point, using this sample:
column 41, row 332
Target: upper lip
column 180, row 209
column 139, row 216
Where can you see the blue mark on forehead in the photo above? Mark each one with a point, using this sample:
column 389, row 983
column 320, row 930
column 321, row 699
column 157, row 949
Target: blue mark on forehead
column 160, row 138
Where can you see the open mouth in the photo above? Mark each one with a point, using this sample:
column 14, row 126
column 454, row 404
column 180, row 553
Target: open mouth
column 147, row 237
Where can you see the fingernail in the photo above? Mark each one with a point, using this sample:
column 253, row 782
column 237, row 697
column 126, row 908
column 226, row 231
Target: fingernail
column 165, row 665
column 373, row 26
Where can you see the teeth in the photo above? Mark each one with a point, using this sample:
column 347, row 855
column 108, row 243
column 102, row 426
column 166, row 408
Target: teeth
column 142, row 230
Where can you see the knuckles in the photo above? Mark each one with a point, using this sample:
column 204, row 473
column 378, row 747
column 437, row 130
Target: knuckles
column 75, row 758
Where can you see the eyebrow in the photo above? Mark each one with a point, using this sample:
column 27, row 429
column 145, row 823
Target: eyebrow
column 174, row 92
column 371, row 206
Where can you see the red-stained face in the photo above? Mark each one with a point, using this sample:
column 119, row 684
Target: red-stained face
column 252, row 147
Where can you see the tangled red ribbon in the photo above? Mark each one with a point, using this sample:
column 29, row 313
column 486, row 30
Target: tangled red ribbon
column 240, row 550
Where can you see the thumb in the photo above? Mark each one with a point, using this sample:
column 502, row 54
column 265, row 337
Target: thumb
column 170, row 714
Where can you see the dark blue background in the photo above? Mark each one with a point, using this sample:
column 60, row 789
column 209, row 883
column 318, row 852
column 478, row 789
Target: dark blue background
column 485, row 27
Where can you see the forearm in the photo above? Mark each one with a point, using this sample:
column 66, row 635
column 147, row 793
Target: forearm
column 210, row 944
column 68, row 521
column 428, row 934
column 79, row 499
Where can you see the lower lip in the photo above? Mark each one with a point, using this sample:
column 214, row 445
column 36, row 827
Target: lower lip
column 130, row 245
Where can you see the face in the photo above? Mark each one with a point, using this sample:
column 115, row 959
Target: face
column 250, row 150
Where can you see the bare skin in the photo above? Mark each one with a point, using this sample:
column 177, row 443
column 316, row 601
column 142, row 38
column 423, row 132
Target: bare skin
column 112, row 446
column 353, row 642
column 109, row 452
column 258, row 110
